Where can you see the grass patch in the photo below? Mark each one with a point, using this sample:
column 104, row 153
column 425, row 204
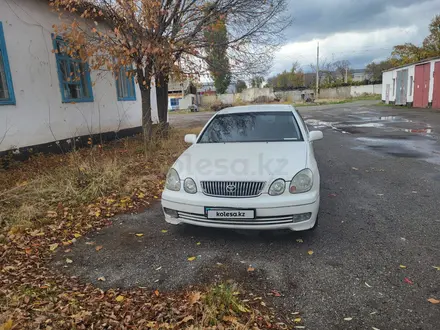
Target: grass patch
column 34, row 192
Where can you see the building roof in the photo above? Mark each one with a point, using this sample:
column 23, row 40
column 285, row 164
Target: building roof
column 257, row 108
column 414, row 63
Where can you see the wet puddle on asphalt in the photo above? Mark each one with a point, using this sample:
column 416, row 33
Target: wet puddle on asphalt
column 393, row 135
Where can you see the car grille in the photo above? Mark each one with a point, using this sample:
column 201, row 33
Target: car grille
column 275, row 220
column 232, row 188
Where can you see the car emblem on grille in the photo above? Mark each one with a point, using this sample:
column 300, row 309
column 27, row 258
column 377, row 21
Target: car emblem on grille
column 230, row 188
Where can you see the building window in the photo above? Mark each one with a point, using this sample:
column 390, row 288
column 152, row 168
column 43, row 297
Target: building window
column 73, row 74
column 6, row 88
column 411, row 82
column 174, row 102
column 125, row 85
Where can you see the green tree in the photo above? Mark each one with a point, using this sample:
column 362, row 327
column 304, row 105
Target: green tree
column 218, row 62
column 241, row 86
column 288, row 80
column 374, row 70
column 257, row 81
column 431, row 44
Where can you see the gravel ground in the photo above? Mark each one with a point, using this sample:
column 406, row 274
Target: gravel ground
column 374, row 251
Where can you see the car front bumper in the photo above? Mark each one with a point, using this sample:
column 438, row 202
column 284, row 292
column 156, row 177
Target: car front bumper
column 271, row 212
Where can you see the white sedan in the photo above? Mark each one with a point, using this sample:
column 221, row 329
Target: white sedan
column 251, row 167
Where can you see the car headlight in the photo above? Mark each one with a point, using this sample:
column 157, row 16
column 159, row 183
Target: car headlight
column 277, row 187
column 301, row 182
column 190, row 186
column 173, row 180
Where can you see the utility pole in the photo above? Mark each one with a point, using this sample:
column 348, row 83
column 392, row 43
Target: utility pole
column 346, row 74
column 317, row 72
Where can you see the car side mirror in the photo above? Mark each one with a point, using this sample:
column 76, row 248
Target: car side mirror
column 190, row 138
column 315, row 135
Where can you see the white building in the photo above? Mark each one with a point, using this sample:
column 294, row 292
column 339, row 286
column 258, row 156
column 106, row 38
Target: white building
column 416, row 84
column 39, row 101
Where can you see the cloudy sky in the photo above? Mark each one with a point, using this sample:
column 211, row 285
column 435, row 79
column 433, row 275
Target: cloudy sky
column 360, row 31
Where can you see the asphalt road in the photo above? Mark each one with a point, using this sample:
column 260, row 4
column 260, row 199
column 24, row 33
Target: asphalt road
column 380, row 195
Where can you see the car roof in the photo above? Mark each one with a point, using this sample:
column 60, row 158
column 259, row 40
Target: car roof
column 259, row 107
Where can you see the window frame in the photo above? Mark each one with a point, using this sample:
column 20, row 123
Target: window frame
column 69, row 59
column 130, row 82
column 9, row 84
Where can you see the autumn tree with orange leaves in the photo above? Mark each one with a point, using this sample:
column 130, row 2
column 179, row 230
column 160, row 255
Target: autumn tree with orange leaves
column 156, row 39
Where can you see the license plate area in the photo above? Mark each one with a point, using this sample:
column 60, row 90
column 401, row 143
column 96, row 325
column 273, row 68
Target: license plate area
column 229, row 213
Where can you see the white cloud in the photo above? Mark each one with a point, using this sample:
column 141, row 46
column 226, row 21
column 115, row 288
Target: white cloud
column 353, row 46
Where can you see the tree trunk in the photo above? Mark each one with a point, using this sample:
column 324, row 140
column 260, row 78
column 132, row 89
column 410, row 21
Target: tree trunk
column 143, row 78
column 162, row 101
column 146, row 114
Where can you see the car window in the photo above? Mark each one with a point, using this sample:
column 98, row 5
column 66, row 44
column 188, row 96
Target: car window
column 252, row 127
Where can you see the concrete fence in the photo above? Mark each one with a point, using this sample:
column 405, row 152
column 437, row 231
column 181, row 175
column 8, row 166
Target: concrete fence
column 266, row 95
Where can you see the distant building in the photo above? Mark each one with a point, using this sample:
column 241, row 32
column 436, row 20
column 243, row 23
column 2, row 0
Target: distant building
column 416, row 84
column 181, row 94
column 359, row 75
column 209, row 88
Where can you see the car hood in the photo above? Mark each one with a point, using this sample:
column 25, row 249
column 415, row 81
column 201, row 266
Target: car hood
column 258, row 161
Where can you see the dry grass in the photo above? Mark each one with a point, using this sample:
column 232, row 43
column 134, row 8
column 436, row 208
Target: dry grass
column 30, row 191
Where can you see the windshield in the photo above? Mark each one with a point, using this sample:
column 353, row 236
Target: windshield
column 252, row 127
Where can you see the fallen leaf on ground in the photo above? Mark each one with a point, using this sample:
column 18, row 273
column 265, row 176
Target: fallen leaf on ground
column 250, row 269
column 102, row 279
column 7, row 325
column 310, row 252
column 436, row 267
column 139, row 235
column 164, row 231
column 69, row 261
column 194, row 297
column 228, row 318
column 156, row 292
column 198, row 243
column 263, row 303
column 367, row 284
column 276, row 293
column 53, row 247
column 355, row 168
column 407, row 280
column 77, row 235
column 402, row 266
column 159, row 268
column 242, row 308
column 191, row 258
column 299, row 240
column 119, row 298
column 90, row 243
column 297, row 320
column 186, row 319
column 99, row 247
column 348, row 318
column 374, row 328
column 434, row 301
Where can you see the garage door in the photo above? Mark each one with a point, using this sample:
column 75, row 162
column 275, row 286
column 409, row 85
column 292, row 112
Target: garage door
column 401, row 87
column 436, row 94
column 421, row 85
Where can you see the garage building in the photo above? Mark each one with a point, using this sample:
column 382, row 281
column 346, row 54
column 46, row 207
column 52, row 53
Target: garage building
column 416, row 85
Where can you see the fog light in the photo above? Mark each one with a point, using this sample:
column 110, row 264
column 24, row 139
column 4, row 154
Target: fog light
column 171, row 213
column 301, row 217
